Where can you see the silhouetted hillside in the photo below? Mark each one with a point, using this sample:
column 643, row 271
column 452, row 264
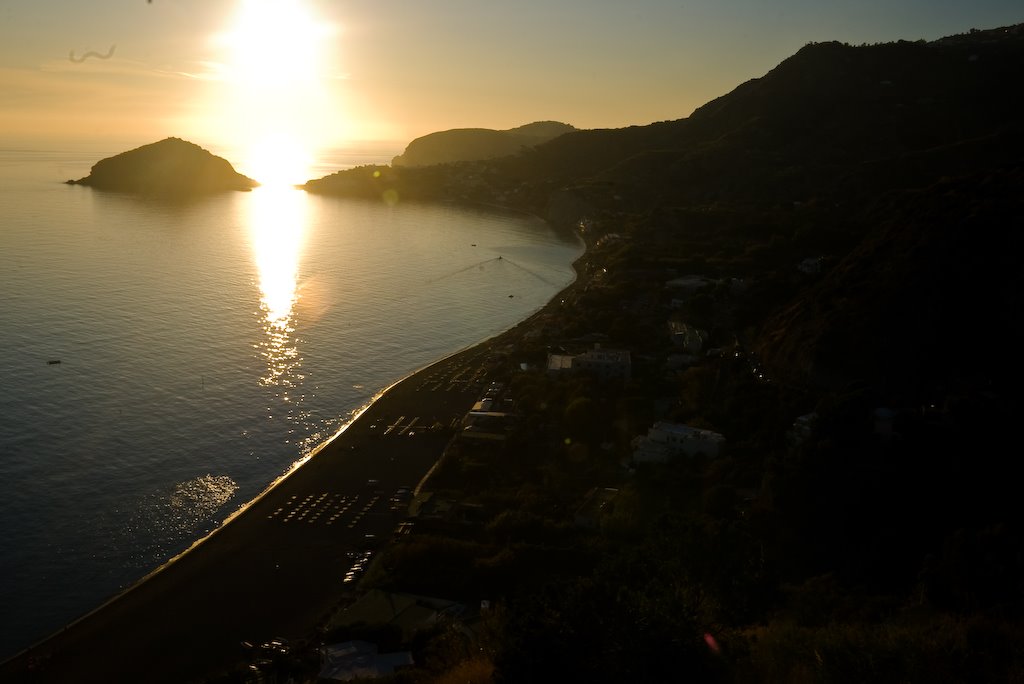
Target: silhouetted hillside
column 810, row 122
column 816, row 158
column 169, row 167
column 471, row 144
column 839, row 241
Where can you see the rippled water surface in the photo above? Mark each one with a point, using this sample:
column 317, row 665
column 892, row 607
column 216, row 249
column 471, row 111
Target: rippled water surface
column 162, row 363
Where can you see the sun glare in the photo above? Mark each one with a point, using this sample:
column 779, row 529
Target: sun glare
column 276, row 108
column 277, row 159
column 277, row 225
column 274, row 42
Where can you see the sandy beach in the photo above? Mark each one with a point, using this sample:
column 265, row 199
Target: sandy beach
column 276, row 569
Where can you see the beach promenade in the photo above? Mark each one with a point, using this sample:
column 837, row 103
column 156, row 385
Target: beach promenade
column 276, row 569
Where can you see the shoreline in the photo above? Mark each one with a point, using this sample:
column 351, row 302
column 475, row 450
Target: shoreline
column 47, row 612
column 166, row 565
column 165, row 604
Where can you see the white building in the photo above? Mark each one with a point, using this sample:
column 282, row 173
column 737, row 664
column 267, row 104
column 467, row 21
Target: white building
column 605, row 364
column 665, row 441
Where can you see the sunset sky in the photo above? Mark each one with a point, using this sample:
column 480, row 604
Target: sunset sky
column 343, row 71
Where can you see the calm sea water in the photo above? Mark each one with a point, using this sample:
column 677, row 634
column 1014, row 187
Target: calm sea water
column 203, row 348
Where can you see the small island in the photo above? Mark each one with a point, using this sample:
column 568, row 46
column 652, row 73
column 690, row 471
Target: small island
column 169, row 167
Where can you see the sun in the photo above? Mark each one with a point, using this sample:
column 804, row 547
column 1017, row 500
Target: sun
column 274, row 43
column 276, row 107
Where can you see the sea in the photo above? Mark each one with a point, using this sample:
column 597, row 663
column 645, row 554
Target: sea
column 162, row 363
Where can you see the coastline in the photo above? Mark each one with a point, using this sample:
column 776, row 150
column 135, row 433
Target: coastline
column 209, row 598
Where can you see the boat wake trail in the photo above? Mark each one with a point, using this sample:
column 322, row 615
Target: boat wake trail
column 498, row 259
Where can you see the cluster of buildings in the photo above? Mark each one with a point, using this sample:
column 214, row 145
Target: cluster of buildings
column 492, row 418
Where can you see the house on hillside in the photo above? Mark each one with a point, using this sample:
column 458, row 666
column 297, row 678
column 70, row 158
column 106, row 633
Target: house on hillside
column 811, row 265
column 684, row 287
column 802, row 429
column 688, row 284
column 665, row 441
column 352, row 660
column 559, row 363
column 407, row 613
column 487, row 426
column 687, row 337
column 604, row 364
column 598, row 503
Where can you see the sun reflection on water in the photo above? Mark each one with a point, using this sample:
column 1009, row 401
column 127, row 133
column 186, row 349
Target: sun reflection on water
column 277, row 221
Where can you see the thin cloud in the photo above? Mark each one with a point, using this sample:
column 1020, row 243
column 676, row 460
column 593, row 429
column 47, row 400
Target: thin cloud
column 207, row 71
column 117, row 67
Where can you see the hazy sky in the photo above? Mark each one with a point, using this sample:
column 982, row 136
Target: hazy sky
column 344, row 70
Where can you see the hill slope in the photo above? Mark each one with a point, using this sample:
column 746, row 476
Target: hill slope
column 471, row 144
